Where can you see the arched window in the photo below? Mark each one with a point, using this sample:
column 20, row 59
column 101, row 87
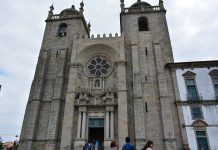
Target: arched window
column 62, row 30
column 191, row 87
column 143, row 24
column 200, row 128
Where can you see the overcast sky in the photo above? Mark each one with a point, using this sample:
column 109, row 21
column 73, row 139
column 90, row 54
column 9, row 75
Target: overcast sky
column 193, row 27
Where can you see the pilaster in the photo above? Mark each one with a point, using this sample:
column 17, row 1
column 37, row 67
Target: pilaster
column 180, row 111
column 67, row 129
column 138, row 100
column 122, row 102
column 168, row 128
column 56, row 102
column 33, row 106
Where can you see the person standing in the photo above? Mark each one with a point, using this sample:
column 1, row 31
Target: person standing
column 114, row 145
column 128, row 145
column 97, row 145
column 87, row 146
column 148, row 146
column 186, row 147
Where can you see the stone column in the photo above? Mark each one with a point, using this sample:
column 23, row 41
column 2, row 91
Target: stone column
column 84, row 125
column 81, row 129
column 165, row 104
column 68, row 126
column 107, row 126
column 79, row 126
column 122, row 102
column 112, row 125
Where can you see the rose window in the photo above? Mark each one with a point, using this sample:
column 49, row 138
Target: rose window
column 99, row 66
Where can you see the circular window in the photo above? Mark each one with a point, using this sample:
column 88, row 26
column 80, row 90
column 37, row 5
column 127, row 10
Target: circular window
column 99, row 66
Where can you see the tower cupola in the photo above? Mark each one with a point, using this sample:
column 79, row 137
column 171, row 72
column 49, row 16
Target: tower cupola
column 140, row 3
column 69, row 11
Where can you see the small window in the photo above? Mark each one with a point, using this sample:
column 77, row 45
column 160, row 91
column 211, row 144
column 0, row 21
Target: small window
column 143, row 24
column 202, row 140
column 196, row 112
column 62, row 30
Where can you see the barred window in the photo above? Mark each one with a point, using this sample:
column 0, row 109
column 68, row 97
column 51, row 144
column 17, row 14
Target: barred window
column 191, row 89
column 196, row 112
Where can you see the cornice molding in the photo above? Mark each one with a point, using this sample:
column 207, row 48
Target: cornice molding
column 193, row 64
column 199, row 102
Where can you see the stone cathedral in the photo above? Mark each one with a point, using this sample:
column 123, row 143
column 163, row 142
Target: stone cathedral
column 103, row 87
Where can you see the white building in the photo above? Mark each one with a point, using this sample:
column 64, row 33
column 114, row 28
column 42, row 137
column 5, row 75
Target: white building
column 198, row 101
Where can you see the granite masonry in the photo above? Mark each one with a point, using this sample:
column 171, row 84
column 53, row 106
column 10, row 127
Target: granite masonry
column 105, row 87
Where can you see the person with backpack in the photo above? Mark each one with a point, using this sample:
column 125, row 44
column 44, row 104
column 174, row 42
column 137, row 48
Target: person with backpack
column 88, row 146
column 128, row 145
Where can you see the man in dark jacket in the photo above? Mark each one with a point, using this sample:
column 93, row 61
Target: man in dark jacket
column 128, row 145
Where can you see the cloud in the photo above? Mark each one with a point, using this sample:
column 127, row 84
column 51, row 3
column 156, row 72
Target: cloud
column 193, row 29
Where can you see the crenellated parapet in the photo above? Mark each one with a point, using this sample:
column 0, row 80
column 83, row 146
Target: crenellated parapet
column 98, row 36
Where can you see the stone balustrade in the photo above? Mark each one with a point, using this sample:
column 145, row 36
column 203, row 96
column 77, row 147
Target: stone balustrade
column 69, row 16
column 142, row 9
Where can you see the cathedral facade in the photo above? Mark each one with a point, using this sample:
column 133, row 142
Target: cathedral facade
column 105, row 87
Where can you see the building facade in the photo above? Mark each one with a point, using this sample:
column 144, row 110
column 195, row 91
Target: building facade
column 105, row 87
column 198, row 102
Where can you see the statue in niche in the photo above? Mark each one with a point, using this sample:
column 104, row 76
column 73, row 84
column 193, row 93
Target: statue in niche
column 82, row 95
column 97, row 83
column 109, row 98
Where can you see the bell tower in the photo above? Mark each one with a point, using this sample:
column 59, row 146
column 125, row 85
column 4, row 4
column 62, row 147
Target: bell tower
column 42, row 127
column 151, row 107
